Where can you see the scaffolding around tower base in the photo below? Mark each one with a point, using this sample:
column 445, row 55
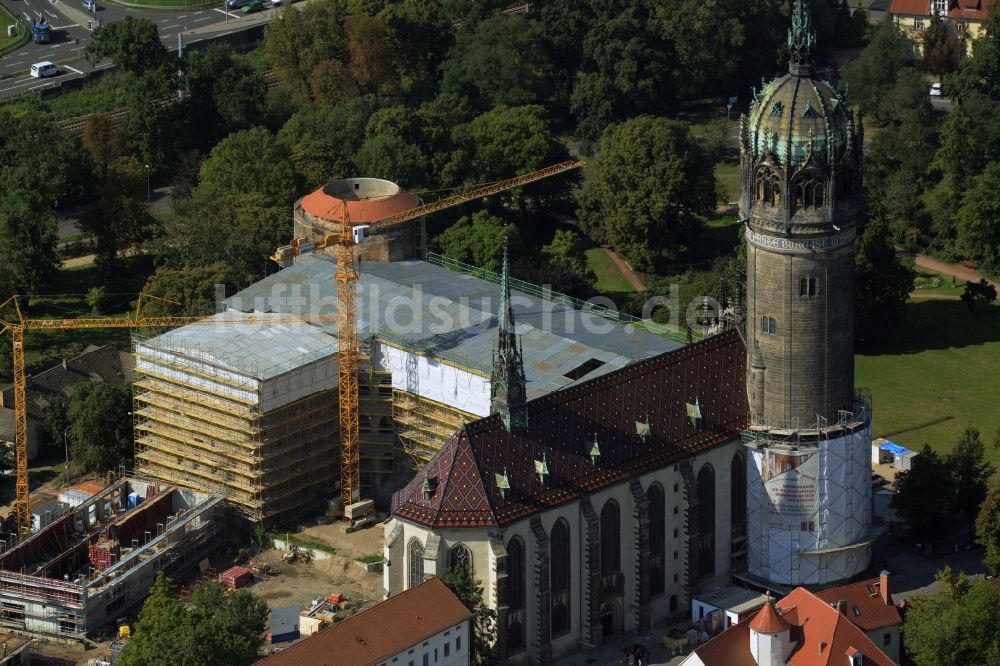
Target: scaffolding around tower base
column 809, row 499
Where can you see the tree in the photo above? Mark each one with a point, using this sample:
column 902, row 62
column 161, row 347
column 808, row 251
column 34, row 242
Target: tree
column 119, row 218
column 981, row 72
column 316, row 163
column 7, row 457
column 132, row 44
column 501, row 62
column 6, row 360
column 629, row 68
column 925, row 495
column 478, row 240
column 566, row 252
column 235, row 230
column 249, row 161
column 970, row 137
column 342, row 126
column 881, row 285
column 970, row 473
column 506, row 142
column 988, row 530
column 942, row 49
column 978, row 292
column 421, row 37
column 104, row 143
column 392, row 158
column 868, row 77
column 101, row 427
column 371, row 68
column 226, row 93
column 153, row 128
column 461, row 581
column 979, row 220
column 97, row 299
column 650, row 182
column 186, row 291
column 55, row 435
column 220, row 627
column 954, row 627
column 27, row 239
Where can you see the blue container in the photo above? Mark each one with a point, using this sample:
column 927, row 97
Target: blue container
column 133, row 500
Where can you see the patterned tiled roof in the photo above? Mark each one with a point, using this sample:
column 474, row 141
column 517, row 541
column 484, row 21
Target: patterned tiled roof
column 563, row 426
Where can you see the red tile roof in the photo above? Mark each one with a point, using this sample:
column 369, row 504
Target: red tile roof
column 767, row 620
column 562, row 427
column 820, row 636
column 866, row 609
column 327, row 207
column 972, row 10
column 379, row 632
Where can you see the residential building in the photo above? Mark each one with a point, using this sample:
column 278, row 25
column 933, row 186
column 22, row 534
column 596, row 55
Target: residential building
column 426, row 625
column 964, row 18
column 868, row 604
column 800, row 630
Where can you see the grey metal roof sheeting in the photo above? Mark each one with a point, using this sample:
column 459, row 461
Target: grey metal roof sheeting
column 434, row 311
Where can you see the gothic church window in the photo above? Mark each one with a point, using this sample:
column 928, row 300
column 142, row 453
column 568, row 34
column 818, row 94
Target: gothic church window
column 416, row 564
column 460, row 556
column 657, row 539
column 705, row 545
column 738, row 488
column 559, row 569
column 809, row 192
column 768, row 188
column 516, row 594
column 610, row 539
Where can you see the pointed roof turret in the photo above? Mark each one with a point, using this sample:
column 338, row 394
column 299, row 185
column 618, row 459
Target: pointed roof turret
column 767, row 620
column 508, row 387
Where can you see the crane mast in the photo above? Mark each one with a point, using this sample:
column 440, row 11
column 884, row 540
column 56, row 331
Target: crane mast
column 347, row 332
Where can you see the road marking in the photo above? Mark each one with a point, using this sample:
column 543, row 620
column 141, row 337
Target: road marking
column 182, row 16
column 15, row 64
column 203, row 18
column 51, row 14
column 73, row 70
column 171, row 27
column 164, row 20
column 66, row 27
column 216, row 9
column 25, row 14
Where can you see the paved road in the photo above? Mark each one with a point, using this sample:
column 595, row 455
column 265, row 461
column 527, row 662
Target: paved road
column 71, row 34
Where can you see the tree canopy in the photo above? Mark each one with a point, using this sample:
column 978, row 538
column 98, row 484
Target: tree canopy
column 650, row 183
column 461, row 580
column 220, row 627
column 956, row 626
column 478, row 240
column 881, row 285
column 249, row 161
column 988, row 530
column 133, row 44
column 101, row 425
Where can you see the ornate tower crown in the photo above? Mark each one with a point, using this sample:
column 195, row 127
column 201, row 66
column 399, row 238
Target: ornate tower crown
column 801, row 40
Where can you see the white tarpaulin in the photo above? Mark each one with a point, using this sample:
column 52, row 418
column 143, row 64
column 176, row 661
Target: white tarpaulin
column 791, row 481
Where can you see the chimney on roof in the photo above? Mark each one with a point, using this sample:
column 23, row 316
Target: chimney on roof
column 855, row 656
column 822, row 646
column 842, row 606
column 883, row 587
column 65, row 365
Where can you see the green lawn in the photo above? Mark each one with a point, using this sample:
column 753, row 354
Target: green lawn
column 609, row 279
column 939, row 378
column 727, row 176
column 931, row 282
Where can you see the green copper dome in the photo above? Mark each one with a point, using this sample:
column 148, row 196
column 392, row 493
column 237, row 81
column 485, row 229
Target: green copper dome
column 798, row 114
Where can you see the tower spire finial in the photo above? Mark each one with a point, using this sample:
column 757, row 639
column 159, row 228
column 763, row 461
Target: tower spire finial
column 508, row 386
column 801, row 40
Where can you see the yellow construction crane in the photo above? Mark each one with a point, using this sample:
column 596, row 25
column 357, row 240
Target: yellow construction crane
column 17, row 330
column 346, row 279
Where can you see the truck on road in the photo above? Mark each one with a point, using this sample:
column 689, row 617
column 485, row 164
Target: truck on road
column 43, row 32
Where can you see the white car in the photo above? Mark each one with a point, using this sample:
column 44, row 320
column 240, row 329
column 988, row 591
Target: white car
column 42, row 69
column 936, row 90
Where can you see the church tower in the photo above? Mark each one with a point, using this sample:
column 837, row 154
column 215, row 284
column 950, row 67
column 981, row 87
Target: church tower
column 508, row 387
column 809, row 487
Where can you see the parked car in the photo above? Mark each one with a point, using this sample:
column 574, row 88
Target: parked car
column 936, row 90
column 253, row 6
column 236, row 4
column 276, row 3
column 90, row 5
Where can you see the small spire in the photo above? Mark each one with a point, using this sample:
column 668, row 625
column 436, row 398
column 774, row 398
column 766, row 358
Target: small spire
column 503, row 483
column 801, row 40
column 595, row 451
column 508, row 386
column 542, row 468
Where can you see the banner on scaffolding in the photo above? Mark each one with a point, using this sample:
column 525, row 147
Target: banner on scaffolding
column 791, row 482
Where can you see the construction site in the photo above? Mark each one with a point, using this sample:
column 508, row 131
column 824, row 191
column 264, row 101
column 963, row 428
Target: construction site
column 97, row 561
column 250, row 411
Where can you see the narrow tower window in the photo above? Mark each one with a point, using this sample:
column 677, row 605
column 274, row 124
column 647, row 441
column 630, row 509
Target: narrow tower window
column 768, row 325
column 807, row 286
